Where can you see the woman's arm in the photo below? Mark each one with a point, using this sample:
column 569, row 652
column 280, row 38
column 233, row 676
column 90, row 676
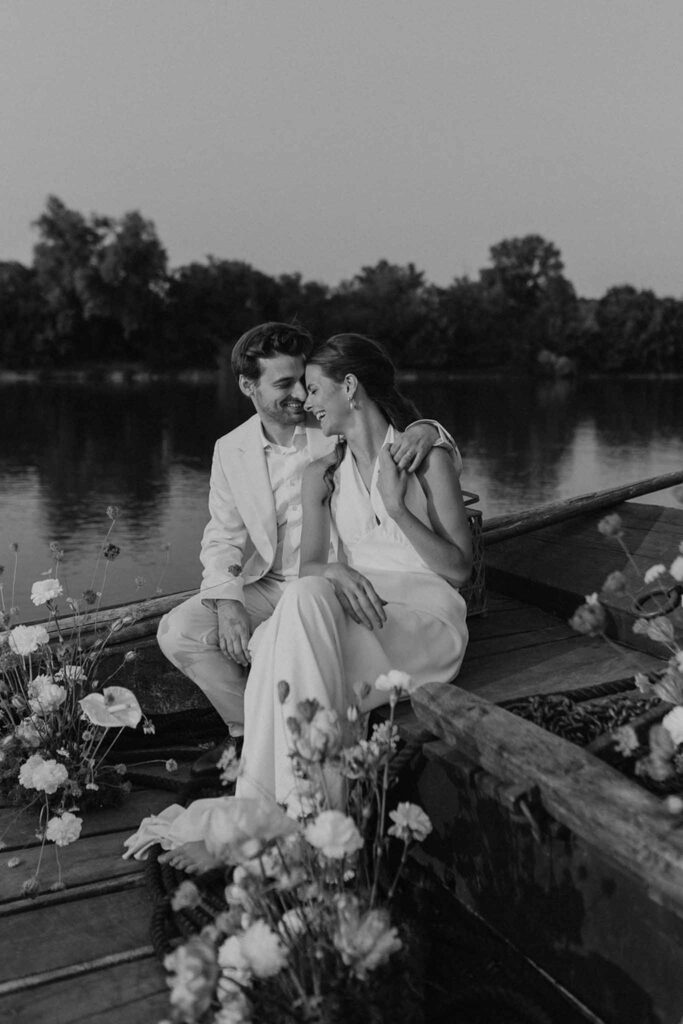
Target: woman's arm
column 356, row 594
column 447, row 547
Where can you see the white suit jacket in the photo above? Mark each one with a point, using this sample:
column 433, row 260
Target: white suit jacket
column 240, row 538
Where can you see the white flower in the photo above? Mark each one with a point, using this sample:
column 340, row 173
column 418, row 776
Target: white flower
column 262, row 949
column 233, row 962
column 410, row 822
column 364, row 942
column 335, row 834
column 114, row 706
column 27, row 639
column 37, row 773
column 64, row 829
column 676, row 568
column 394, row 680
column 593, row 598
column 43, row 591
column 320, row 738
column 293, row 922
column 654, row 572
column 46, row 696
column 673, row 723
column 186, row 895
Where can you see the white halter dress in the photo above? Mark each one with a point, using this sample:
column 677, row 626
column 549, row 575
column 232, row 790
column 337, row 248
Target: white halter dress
column 321, row 653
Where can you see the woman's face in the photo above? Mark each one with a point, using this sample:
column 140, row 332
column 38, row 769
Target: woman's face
column 327, row 401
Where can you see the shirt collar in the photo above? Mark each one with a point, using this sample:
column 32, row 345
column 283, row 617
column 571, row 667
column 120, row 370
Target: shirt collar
column 299, row 430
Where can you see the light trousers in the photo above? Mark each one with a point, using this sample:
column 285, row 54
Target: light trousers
column 188, row 636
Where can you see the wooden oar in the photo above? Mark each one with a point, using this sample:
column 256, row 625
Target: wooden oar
column 511, row 525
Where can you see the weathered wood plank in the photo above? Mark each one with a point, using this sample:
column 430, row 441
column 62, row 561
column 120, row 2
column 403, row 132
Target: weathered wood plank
column 595, row 801
column 53, row 937
column 128, row 993
column 18, row 824
column 506, row 526
column 88, row 860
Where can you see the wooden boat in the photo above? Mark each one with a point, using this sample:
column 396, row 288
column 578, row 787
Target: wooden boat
column 567, row 860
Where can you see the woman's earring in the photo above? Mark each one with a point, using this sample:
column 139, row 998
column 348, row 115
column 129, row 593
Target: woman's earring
column 353, row 404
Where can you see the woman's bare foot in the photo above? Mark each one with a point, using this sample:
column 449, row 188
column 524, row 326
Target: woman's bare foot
column 193, row 858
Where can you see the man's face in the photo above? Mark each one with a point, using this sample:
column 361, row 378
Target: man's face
column 279, row 394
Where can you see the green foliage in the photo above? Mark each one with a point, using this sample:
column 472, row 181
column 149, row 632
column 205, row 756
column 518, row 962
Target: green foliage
column 100, row 291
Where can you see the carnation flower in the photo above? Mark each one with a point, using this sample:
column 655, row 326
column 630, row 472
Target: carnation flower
column 410, row 822
column 335, row 834
column 615, row 583
column 64, row 829
column 262, row 950
column 26, row 640
column 185, row 896
column 589, row 618
column 611, row 525
column 654, row 572
column 38, row 773
column 319, row 738
column 394, row 680
column 43, row 591
column 364, row 941
column 27, row 732
column 676, row 568
column 195, row 973
column 47, row 696
column 673, row 723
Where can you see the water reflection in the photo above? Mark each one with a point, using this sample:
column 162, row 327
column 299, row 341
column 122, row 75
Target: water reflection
column 70, row 449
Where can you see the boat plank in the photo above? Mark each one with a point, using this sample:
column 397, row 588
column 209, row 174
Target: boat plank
column 53, row 937
column 593, row 800
column 88, row 860
column 18, row 824
column 132, row 992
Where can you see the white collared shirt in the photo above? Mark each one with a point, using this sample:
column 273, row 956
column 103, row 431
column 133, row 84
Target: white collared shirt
column 286, row 467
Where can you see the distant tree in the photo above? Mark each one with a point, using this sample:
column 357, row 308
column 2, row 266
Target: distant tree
column 211, row 304
column 625, row 317
column 22, row 316
column 128, row 283
column 390, row 303
column 528, row 295
column 306, row 302
column 64, row 259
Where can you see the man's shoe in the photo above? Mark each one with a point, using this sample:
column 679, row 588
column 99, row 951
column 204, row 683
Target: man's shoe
column 206, row 765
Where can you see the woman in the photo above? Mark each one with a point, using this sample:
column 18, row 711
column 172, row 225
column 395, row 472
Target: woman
column 382, row 555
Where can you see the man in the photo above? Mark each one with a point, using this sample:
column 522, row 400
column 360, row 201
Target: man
column 250, row 547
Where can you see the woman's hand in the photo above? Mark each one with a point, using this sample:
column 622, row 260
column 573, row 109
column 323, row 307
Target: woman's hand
column 356, row 595
column 391, row 483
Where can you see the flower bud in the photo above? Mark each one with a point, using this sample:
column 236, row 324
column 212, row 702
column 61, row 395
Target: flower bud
column 282, row 690
column 31, row 887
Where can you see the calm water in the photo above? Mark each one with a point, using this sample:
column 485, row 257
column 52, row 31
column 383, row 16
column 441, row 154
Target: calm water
column 68, row 449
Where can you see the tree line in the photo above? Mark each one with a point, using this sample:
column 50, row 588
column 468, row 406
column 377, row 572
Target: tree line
column 99, row 290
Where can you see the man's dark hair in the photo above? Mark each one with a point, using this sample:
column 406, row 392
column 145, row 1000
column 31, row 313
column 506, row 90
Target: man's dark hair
column 266, row 340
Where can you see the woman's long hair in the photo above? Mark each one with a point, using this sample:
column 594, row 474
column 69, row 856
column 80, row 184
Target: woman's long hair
column 370, row 363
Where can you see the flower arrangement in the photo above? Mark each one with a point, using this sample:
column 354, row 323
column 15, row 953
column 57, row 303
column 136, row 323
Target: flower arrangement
column 657, row 755
column 303, row 929
column 59, row 715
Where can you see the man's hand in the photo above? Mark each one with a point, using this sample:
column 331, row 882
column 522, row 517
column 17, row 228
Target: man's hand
column 410, row 448
column 234, row 631
column 391, row 483
column 357, row 596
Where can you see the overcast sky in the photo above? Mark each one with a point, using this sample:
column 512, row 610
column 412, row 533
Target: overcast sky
column 323, row 135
